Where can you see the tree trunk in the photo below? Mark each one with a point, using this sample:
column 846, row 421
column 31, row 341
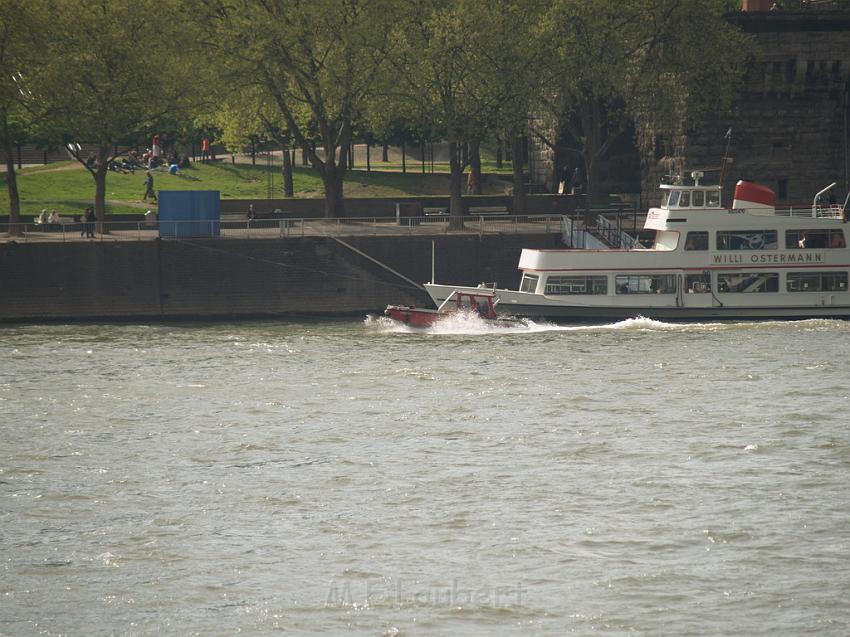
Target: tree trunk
column 334, row 201
column 11, row 181
column 591, row 195
column 368, row 158
column 403, row 157
column 385, row 153
column 597, row 143
column 456, row 211
column 475, row 166
column 100, row 185
column 516, row 170
column 286, row 169
column 499, row 153
column 423, row 145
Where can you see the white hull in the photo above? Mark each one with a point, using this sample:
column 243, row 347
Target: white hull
column 513, row 303
column 707, row 262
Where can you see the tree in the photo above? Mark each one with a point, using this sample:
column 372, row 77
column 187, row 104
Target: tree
column 439, row 66
column 315, row 60
column 249, row 116
column 20, row 29
column 469, row 69
column 647, row 59
column 516, row 71
column 128, row 75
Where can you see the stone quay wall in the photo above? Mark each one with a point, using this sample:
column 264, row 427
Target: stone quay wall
column 243, row 278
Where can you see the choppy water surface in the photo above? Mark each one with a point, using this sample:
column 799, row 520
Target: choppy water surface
column 356, row 478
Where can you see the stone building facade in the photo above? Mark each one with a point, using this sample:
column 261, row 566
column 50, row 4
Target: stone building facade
column 789, row 125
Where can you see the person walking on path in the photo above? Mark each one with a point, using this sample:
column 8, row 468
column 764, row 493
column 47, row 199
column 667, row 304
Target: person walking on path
column 149, row 187
column 90, row 219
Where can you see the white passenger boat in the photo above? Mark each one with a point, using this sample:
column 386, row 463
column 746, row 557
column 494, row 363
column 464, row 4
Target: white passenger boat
column 749, row 261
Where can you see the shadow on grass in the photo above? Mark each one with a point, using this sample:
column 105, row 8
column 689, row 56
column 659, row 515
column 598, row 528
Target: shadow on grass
column 239, row 171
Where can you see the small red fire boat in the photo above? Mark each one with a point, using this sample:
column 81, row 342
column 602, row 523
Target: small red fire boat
column 480, row 302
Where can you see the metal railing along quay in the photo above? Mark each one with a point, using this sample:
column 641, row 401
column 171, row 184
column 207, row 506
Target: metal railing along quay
column 277, row 228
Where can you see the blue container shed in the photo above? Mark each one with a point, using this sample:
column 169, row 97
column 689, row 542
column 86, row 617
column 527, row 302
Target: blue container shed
column 189, row 213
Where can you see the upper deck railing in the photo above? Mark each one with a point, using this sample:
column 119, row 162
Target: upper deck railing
column 832, row 211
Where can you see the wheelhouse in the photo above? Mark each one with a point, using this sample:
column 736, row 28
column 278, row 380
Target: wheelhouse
column 689, row 197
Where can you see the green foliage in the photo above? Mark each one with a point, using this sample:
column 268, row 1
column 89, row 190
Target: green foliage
column 655, row 61
column 124, row 84
column 314, row 60
column 323, row 73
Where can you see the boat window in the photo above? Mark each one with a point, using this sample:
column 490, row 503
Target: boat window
column 666, row 240
column 807, row 239
column 817, row 282
column 674, row 199
column 697, row 240
column 685, row 199
column 698, row 283
column 750, row 282
column 665, row 195
column 746, row 240
column 712, row 199
column 528, row 283
column 698, row 198
column 577, row 285
column 645, row 284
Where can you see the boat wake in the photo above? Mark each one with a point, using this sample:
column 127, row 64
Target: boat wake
column 465, row 323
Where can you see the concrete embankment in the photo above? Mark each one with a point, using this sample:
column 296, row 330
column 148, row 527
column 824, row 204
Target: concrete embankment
column 243, row 278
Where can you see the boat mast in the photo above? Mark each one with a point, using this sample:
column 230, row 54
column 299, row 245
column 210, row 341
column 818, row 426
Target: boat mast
column 432, row 261
column 726, row 158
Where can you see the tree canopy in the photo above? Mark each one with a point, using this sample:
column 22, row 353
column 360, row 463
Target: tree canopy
column 316, row 61
column 649, row 61
column 20, row 36
column 123, row 87
column 318, row 74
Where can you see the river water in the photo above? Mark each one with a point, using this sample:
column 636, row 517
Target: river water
column 355, row 478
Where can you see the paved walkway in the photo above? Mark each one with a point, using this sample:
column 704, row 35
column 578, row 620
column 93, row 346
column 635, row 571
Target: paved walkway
column 271, row 229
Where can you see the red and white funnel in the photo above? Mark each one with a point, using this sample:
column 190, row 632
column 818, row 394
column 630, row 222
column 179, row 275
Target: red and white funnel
column 754, row 198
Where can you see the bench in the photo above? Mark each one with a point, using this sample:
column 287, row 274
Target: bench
column 63, row 225
column 487, row 211
column 437, row 211
column 267, row 219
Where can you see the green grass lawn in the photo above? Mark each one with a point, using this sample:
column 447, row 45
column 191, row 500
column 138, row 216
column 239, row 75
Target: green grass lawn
column 68, row 188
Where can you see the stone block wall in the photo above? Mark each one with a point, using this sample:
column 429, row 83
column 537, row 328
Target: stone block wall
column 789, row 125
column 241, row 278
